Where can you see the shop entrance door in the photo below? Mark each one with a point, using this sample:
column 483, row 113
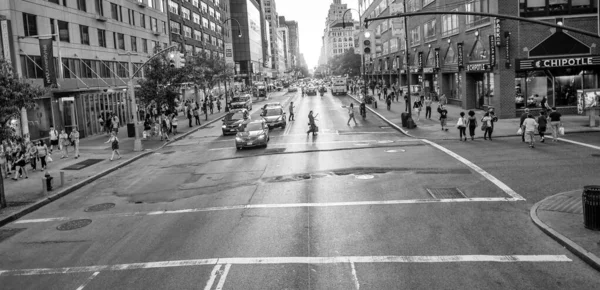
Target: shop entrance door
column 479, row 93
column 69, row 113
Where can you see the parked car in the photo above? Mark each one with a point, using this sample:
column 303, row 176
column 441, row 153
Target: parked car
column 251, row 134
column 241, row 102
column 233, row 119
column 292, row 89
column 275, row 117
column 311, row 91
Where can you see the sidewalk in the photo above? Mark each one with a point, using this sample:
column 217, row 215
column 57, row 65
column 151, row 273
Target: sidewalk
column 26, row 195
column 431, row 129
column 561, row 217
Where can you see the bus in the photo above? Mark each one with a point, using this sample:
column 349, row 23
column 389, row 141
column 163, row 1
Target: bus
column 338, row 86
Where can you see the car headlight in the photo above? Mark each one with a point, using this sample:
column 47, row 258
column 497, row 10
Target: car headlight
column 238, row 139
column 262, row 136
column 280, row 118
column 224, row 127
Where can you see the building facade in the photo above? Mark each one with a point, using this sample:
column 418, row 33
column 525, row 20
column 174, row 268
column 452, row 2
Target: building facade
column 248, row 49
column 482, row 62
column 272, row 18
column 338, row 35
column 285, row 44
column 85, row 64
column 294, row 40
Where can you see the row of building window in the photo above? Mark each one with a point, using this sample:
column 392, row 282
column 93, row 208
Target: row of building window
column 186, row 13
column 195, row 34
column 31, row 68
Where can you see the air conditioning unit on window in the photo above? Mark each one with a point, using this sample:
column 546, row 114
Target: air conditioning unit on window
column 101, row 18
column 141, row 3
column 157, row 33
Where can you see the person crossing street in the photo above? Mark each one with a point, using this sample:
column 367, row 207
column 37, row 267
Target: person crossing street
column 291, row 117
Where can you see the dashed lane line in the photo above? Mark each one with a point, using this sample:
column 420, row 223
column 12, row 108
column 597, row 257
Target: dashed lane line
column 213, row 276
column 223, row 277
column 279, row 206
column 292, row 260
column 354, row 276
column 88, row 280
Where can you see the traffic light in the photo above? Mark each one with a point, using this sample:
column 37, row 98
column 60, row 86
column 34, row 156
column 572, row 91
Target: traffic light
column 172, row 60
column 367, row 42
column 378, row 43
column 181, row 60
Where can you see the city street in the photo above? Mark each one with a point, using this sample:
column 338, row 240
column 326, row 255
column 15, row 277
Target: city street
column 354, row 207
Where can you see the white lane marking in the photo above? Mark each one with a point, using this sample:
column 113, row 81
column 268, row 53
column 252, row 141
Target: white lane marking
column 575, row 142
column 479, row 170
column 292, row 260
column 223, row 277
column 283, row 205
column 213, row 275
column 88, row 281
column 319, row 143
column 354, row 276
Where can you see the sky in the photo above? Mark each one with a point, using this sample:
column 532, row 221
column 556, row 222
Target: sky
column 311, row 15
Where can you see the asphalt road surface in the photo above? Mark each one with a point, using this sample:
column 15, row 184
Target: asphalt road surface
column 355, row 207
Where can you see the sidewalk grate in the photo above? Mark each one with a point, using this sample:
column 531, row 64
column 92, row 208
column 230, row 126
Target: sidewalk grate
column 563, row 204
column 74, row 224
column 100, row 207
column 7, row 233
column 445, row 193
column 83, row 164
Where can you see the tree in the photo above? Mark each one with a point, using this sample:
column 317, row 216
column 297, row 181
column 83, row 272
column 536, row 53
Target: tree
column 14, row 95
column 347, row 63
column 161, row 83
column 206, row 72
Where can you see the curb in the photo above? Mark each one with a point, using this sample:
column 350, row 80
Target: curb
column 37, row 205
column 573, row 247
column 386, row 120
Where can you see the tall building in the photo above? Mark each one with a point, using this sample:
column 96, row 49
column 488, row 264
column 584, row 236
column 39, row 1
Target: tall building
column 273, row 19
column 485, row 62
column 294, row 37
column 338, row 35
column 197, row 25
column 281, row 67
column 248, row 49
column 85, row 66
column 285, row 44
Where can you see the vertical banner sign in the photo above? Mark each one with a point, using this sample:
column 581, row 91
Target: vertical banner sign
column 229, row 53
column 420, row 60
column 47, row 62
column 507, row 49
column 397, row 23
column 492, row 51
column 459, row 54
column 5, row 40
column 497, row 33
column 437, row 58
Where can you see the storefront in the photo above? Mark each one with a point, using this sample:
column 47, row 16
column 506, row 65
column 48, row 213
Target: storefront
column 479, row 85
column 450, row 84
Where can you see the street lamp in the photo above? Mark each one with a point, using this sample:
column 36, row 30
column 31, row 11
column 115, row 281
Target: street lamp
column 225, row 53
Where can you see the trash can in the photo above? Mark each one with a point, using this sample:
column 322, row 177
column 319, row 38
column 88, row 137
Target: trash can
column 130, row 130
column 591, row 207
column 404, row 117
column 410, row 123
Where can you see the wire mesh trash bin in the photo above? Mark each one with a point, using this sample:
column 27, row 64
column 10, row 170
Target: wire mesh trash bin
column 591, row 207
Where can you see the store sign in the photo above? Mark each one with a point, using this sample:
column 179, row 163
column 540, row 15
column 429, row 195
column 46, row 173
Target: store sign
column 48, row 71
column 420, row 59
column 492, row 52
column 478, row 67
column 229, row 53
column 497, row 32
column 5, row 40
column 459, row 54
column 437, row 58
column 428, row 70
column 507, row 49
column 524, row 64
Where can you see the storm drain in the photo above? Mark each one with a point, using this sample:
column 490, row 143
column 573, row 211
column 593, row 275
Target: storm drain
column 83, row 164
column 445, row 193
column 100, row 207
column 74, row 224
column 7, row 233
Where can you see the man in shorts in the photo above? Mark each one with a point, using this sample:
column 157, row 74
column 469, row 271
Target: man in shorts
column 53, row 139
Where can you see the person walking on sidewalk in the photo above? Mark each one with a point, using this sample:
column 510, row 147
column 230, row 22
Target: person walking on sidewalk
column 542, row 123
column 385, row 91
column 205, row 109
column 20, row 163
column 529, row 126
column 42, row 152
column 351, row 114
column 32, row 155
column 219, row 105
column 461, row 124
column 64, row 143
column 165, row 125
column 443, row 116
column 555, row 123
column 197, row 116
column 189, row 115
column 472, row 124
column 311, row 123
column 443, row 100
column 53, row 139
column 101, row 122
column 428, row 108
column 291, row 118
column 74, row 136
column 212, row 106
column 114, row 145
column 115, row 123
column 174, row 123
column 523, row 117
column 487, row 126
column 418, row 106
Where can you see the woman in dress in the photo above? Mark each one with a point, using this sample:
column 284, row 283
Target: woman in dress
column 114, row 145
column 20, row 163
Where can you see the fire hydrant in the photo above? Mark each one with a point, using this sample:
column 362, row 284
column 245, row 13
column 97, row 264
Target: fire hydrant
column 48, row 181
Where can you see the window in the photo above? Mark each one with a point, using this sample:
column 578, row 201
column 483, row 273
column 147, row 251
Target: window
column 206, row 38
column 133, row 43
column 131, row 15
column 427, row 2
column 188, row 48
column 30, row 24
column 449, row 24
column 84, row 34
column 31, row 67
column 142, row 20
column 479, row 52
column 173, row 7
column 195, row 3
column 393, row 45
column 204, row 7
column 450, row 56
column 187, row 31
column 197, row 35
column 102, row 37
column 63, row 31
column 204, row 22
column 529, row 8
column 164, row 27
column 153, row 24
column 114, row 11
column 81, row 5
column 185, row 13
column 415, row 36
column 213, row 41
column 413, row 5
column 219, row 30
column 218, row 16
column 212, row 26
column 99, row 7
column 211, row 11
column 52, row 29
column 476, row 6
column 85, row 69
column 429, row 30
column 196, row 18
column 144, row 45
column 121, row 41
column 175, row 27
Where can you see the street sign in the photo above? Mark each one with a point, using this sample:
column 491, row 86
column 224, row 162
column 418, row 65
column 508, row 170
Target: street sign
column 229, row 53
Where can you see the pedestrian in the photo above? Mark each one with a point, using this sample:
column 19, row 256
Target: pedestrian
column 311, row 123
column 108, row 124
column 20, row 163
column 388, row 101
column 461, row 124
column 212, row 106
column 291, row 118
column 174, row 123
column 74, row 136
column 147, row 127
column 379, row 93
column 197, row 116
column 219, row 105
column 523, row 117
column 64, row 143
column 555, row 123
column 428, row 102
column 205, row 109
column 189, row 115
column 42, row 153
column 53, row 139
column 486, row 126
column 529, row 126
column 385, row 90
column 114, row 145
column 443, row 99
column 443, row 116
column 472, row 124
column 32, row 155
column 418, row 106
column 101, row 122
column 542, row 123
column 165, row 126
column 400, row 93
column 351, row 114
column 115, row 124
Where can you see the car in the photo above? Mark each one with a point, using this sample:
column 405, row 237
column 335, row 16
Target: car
column 233, row 119
column 272, row 105
column 311, row 91
column 292, row 89
column 275, row 117
column 252, row 133
column 279, row 88
column 241, row 102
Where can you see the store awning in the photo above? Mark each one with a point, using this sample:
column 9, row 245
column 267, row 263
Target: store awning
column 559, row 44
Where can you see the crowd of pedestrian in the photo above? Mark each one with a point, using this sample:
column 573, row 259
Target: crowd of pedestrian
column 17, row 154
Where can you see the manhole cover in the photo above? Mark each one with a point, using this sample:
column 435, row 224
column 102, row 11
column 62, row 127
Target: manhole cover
column 73, row 225
column 385, row 141
column 7, row 233
column 443, row 193
column 364, row 176
column 83, row 164
column 100, row 207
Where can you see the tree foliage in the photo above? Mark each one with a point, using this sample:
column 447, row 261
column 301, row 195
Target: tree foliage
column 347, row 63
column 14, row 95
column 160, row 84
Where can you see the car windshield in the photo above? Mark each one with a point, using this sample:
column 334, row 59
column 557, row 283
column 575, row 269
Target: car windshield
column 273, row 112
column 238, row 99
column 251, row 127
column 234, row 116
